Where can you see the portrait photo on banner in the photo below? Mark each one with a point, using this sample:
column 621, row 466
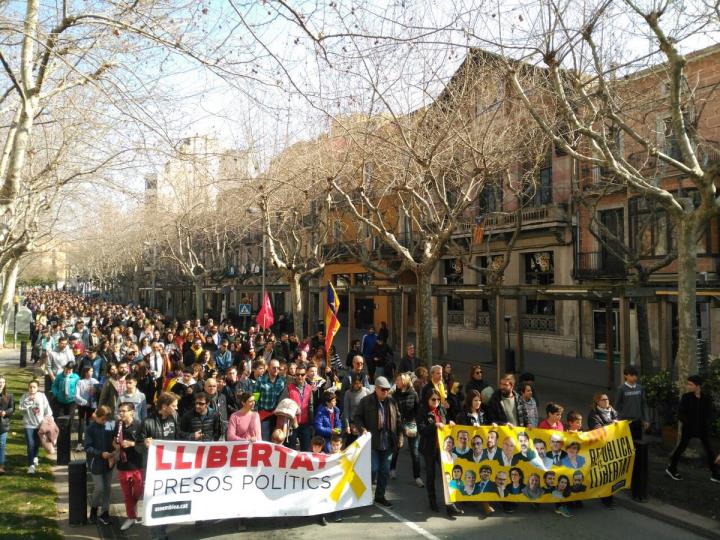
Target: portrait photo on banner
column 488, row 463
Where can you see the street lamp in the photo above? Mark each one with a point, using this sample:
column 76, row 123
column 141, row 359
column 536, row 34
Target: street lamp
column 507, row 329
column 509, row 353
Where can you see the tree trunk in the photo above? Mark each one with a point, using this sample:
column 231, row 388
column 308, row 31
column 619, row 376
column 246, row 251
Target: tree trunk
column 643, row 330
column 8, row 293
column 296, row 303
column 199, row 304
column 687, row 324
column 424, row 317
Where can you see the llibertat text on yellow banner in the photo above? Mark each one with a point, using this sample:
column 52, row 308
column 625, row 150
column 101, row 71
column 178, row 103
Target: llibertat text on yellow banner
column 534, row 465
column 195, row 481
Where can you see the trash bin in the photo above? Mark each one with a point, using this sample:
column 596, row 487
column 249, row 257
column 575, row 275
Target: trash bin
column 77, row 492
column 639, row 488
column 509, row 361
column 63, row 443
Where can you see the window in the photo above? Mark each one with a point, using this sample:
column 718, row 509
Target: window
column 490, row 198
column 537, row 182
column 453, row 270
column 540, row 271
column 650, row 231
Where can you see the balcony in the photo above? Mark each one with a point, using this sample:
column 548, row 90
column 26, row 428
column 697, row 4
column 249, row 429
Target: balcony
column 708, row 153
column 531, row 218
column 336, row 251
column 539, row 323
column 599, row 265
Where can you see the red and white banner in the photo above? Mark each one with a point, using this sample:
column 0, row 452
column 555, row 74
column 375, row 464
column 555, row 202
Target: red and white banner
column 195, row 481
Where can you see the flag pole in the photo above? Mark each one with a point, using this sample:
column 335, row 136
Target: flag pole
column 262, row 275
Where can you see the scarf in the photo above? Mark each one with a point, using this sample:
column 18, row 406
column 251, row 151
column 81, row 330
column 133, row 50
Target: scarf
column 606, row 414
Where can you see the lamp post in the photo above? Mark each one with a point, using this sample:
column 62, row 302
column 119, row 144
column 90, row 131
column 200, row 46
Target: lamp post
column 509, row 353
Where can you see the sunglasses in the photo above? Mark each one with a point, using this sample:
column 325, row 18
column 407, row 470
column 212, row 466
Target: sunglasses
column 200, row 403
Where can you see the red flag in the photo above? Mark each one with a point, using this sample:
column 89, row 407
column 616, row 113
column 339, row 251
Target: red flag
column 265, row 316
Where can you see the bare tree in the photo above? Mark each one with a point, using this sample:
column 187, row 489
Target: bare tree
column 416, row 175
column 653, row 115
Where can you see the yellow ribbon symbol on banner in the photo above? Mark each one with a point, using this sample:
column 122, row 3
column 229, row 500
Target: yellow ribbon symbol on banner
column 349, row 476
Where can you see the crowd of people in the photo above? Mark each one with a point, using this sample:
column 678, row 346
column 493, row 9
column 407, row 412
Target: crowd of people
column 129, row 376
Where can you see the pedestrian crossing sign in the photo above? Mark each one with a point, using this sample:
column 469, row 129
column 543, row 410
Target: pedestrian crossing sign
column 244, row 310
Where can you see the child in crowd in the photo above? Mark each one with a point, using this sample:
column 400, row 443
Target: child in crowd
column 574, row 422
column 553, row 419
column 335, row 448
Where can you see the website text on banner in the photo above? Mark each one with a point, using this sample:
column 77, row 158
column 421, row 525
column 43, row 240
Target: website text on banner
column 191, row 481
column 534, row 465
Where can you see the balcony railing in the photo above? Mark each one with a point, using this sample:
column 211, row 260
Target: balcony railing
column 599, row 265
column 707, row 152
column 456, row 317
column 530, row 217
column 539, row 323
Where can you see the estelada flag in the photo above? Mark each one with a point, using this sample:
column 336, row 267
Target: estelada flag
column 478, row 234
column 332, row 324
column 265, row 316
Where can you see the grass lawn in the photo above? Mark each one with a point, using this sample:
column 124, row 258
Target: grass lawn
column 10, row 339
column 29, row 504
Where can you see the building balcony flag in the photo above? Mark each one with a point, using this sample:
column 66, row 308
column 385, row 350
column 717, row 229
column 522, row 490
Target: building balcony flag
column 265, row 317
column 478, row 231
column 332, row 307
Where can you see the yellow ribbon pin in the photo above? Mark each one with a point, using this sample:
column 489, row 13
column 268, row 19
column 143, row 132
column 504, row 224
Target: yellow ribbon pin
column 349, row 476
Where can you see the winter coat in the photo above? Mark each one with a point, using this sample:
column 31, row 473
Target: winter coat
column 98, row 439
column 427, row 430
column 325, row 422
column 8, row 406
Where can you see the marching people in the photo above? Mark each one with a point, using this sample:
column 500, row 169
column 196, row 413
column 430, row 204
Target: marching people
column 391, row 419
column 505, row 406
column 696, row 415
column 327, row 418
column 351, row 399
column 301, row 393
column 7, row 408
column 203, row 420
column 408, row 403
column 129, row 462
column 244, row 424
column 34, row 407
column 631, row 404
column 85, row 398
column 100, row 461
column 431, row 417
column 163, row 425
column 378, row 415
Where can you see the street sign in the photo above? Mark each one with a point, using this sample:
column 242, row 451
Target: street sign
column 244, row 310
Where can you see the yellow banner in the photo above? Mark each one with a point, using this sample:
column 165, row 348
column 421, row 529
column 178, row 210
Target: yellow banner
column 534, row 465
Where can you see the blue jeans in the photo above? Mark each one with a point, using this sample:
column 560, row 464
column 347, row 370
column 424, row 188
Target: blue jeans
column 412, row 444
column 380, row 466
column 3, row 444
column 266, row 428
column 33, row 444
column 304, row 433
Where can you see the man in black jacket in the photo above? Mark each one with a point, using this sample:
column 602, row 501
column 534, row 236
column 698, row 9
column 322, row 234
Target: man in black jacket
column 378, row 414
column 163, row 425
column 505, row 405
column 695, row 415
column 203, row 420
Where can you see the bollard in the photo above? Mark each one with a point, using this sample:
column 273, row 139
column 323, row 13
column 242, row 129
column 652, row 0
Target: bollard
column 77, row 493
column 639, row 488
column 63, row 443
column 23, row 353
